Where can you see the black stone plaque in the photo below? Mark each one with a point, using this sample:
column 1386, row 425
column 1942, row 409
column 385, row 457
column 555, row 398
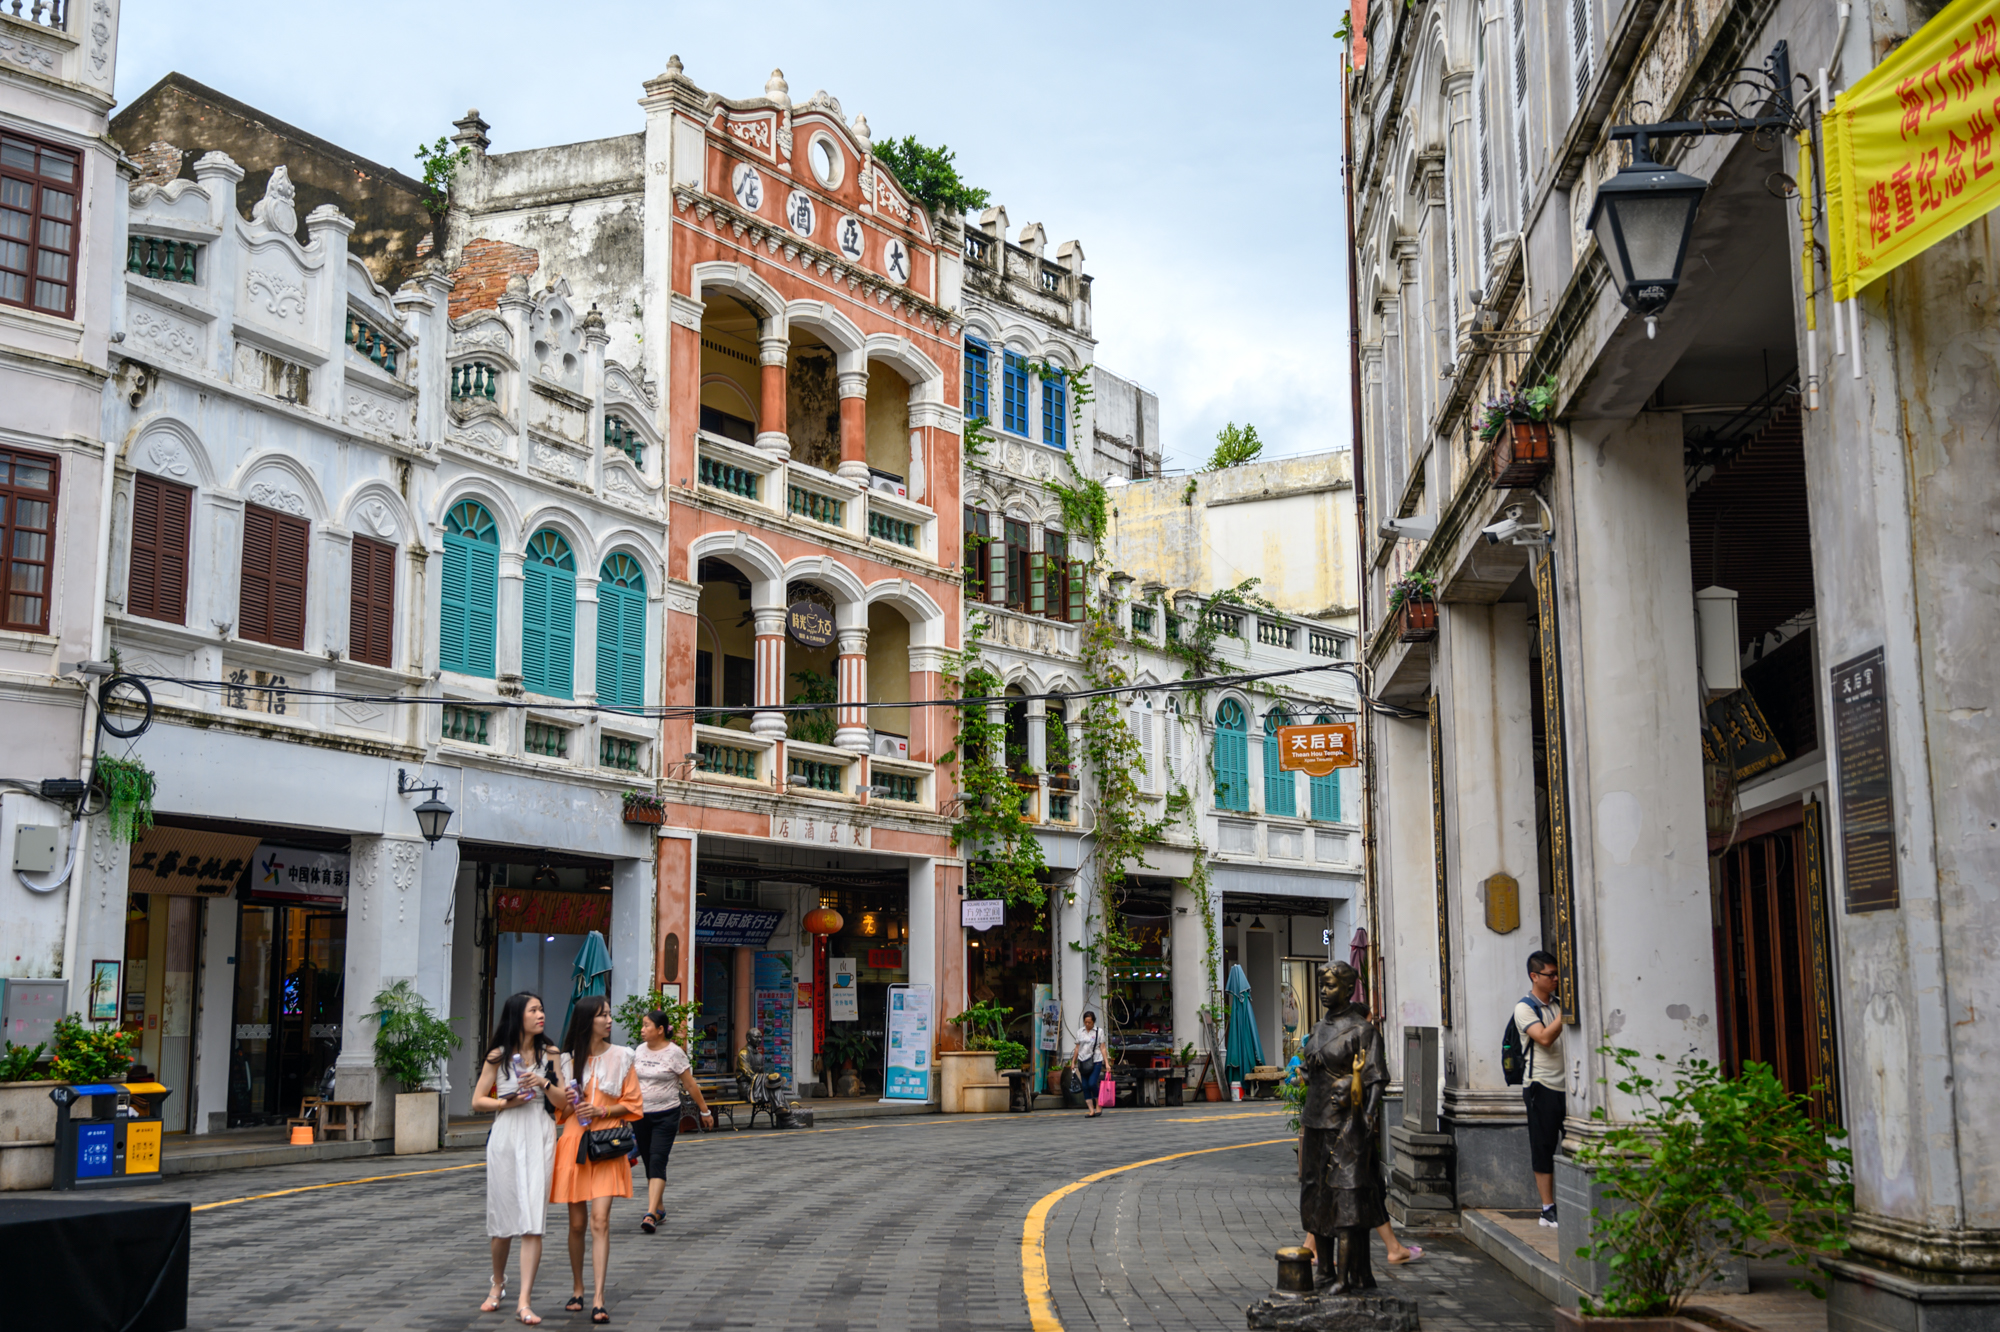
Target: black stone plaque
column 1867, row 797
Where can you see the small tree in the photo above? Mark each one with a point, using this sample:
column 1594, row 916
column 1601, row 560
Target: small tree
column 680, row 1015
column 441, row 163
column 412, row 1042
column 1234, row 447
column 931, row 174
column 1708, row 1169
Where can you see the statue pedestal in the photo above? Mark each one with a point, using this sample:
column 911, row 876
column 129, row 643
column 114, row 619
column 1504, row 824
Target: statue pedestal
column 1334, row 1313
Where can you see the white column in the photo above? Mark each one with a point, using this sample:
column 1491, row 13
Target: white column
column 584, row 688
column 467, row 978
column 507, row 647
column 1406, row 877
column 634, row 894
column 385, row 944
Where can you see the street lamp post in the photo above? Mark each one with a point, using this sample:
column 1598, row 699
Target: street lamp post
column 433, row 814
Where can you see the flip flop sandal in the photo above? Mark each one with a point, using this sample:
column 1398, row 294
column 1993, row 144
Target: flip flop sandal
column 598, row 1315
column 649, row 1221
column 1416, row 1252
column 574, row 1305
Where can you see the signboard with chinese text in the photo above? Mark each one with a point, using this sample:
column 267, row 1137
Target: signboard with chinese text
column 1909, row 147
column 810, row 623
column 735, row 927
column 982, row 913
column 1737, row 735
column 907, row 1061
column 291, row 872
column 1316, row 750
column 843, row 1001
column 811, row 830
column 1867, row 796
column 181, row 862
column 772, row 1000
column 531, row 911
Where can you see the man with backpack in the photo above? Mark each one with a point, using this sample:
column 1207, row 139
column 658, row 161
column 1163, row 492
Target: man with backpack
column 1531, row 1054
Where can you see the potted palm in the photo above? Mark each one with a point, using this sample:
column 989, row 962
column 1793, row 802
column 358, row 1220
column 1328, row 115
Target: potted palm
column 1516, row 424
column 1413, row 606
column 411, row 1045
column 1708, row 1172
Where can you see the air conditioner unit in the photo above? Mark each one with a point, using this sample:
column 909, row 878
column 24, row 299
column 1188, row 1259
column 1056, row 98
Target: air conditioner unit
column 888, row 483
column 890, row 746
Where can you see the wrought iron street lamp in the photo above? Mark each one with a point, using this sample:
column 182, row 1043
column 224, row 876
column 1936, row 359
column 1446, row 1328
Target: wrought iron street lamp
column 1643, row 216
column 433, row 814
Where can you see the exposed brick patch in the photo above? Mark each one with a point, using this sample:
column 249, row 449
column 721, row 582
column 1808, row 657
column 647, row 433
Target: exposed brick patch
column 160, row 163
column 425, row 246
column 480, row 281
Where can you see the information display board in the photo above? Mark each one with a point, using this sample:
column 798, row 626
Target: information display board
column 771, row 1001
column 907, row 1061
column 843, row 1001
column 1867, row 795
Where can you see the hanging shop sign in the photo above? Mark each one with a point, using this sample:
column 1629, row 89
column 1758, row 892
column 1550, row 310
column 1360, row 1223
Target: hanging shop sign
column 1316, row 750
column 183, row 863
column 734, row 927
column 530, row 911
column 1737, row 736
column 907, row 1061
column 982, row 914
column 1909, row 147
column 809, row 623
column 298, row 874
column 843, row 1001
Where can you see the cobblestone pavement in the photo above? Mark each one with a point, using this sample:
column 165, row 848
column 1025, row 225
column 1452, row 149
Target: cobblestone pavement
column 890, row 1224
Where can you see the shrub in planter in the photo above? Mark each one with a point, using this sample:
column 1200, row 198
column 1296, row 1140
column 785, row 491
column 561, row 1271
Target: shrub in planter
column 90, row 1054
column 412, row 1042
column 128, row 787
column 1710, row 1169
column 1413, row 605
column 21, row 1064
column 643, row 808
column 1516, row 424
column 1008, row 1055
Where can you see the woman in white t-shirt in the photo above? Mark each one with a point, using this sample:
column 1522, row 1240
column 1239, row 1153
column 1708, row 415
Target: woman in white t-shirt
column 1088, row 1057
column 665, row 1074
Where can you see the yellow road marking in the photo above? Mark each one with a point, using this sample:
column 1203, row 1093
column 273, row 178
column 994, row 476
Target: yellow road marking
column 335, row 1184
column 1210, row 1119
column 1034, row 1257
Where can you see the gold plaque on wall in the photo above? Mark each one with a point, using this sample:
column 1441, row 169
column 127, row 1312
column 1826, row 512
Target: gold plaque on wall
column 1503, row 904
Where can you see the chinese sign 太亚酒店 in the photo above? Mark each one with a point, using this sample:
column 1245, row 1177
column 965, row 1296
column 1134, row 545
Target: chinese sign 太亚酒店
column 1909, row 148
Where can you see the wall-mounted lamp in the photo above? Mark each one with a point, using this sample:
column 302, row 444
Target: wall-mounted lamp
column 433, row 814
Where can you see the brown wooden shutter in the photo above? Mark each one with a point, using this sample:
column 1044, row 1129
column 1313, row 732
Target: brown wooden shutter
column 273, row 605
column 157, row 584
column 372, row 602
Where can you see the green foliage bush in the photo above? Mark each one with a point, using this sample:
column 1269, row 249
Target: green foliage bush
column 20, row 1064
column 1710, row 1169
column 1234, row 446
column 90, row 1054
column 412, row 1041
column 680, row 1015
column 931, row 174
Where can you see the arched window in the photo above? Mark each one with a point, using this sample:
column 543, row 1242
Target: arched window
column 621, row 633
column 1232, row 757
column 1325, row 790
column 469, row 606
column 1281, row 791
column 548, row 616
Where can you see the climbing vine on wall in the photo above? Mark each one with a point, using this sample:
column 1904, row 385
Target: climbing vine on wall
column 1003, row 859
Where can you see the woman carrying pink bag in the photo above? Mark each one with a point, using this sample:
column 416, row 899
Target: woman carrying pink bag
column 1088, row 1060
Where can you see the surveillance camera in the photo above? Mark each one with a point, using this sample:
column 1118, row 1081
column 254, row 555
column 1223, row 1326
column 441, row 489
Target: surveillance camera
column 1513, row 529
column 1407, row 529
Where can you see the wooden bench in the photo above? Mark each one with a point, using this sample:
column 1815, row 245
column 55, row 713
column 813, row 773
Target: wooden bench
column 330, row 1117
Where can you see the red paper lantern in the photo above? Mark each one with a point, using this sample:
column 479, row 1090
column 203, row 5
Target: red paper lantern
column 823, row 920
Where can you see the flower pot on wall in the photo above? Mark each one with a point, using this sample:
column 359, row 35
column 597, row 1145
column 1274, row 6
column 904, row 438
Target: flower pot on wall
column 416, row 1122
column 1417, row 620
column 1521, row 455
column 645, row 812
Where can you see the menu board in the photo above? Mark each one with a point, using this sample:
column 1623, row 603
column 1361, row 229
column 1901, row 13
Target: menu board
column 908, row 1058
column 1867, row 796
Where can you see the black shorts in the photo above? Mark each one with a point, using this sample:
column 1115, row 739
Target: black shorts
column 1546, row 1110
column 656, row 1139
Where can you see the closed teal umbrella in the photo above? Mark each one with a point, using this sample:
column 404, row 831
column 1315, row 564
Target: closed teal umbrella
column 1245, row 1051
column 592, row 974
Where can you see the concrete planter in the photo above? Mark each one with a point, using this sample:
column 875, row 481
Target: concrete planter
column 968, row 1083
column 27, row 1135
column 1569, row 1320
column 417, row 1122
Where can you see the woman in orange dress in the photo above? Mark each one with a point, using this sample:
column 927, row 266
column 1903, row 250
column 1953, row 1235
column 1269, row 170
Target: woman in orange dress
column 603, row 1090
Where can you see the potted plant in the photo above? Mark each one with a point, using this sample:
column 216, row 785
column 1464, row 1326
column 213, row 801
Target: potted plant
column 845, row 1050
column 967, row 1076
column 1709, row 1170
column 1516, row 425
column 26, row 1116
column 411, row 1045
column 1413, row 605
column 128, row 787
column 1177, row 1073
column 643, row 808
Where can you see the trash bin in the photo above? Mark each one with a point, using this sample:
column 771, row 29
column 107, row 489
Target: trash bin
column 110, row 1141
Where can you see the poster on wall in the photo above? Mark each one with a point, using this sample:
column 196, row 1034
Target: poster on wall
column 908, row 1058
column 843, row 1001
column 771, row 997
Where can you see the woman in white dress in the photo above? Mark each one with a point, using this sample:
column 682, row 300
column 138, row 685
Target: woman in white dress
column 516, row 1085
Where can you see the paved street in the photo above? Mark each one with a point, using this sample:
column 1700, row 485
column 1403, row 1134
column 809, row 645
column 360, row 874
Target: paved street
column 912, row 1223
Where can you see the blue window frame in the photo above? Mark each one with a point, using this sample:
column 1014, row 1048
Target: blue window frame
column 469, row 609
column 1014, row 393
column 978, row 375
column 548, row 616
column 1281, row 788
column 1325, row 790
column 621, row 633
column 1232, row 757
column 1055, row 410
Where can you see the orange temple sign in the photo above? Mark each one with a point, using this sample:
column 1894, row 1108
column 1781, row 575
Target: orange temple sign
column 1317, row 750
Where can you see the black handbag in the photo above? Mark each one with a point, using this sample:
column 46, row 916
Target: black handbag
column 605, row 1143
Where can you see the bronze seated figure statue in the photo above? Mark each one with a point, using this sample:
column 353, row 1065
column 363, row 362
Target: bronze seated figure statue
column 765, row 1089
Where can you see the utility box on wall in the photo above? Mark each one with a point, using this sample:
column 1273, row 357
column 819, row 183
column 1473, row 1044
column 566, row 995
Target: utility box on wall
column 36, row 849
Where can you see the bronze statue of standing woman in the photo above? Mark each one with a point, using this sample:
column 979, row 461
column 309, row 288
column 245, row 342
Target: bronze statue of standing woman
column 1340, row 1168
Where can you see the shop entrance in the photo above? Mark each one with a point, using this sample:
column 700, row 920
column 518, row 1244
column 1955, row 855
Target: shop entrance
column 161, row 933
column 535, row 911
column 290, row 967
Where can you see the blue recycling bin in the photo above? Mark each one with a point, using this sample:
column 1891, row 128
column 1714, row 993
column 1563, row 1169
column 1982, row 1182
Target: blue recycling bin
column 110, row 1143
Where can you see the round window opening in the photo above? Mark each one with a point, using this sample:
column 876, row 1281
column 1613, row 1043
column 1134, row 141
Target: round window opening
column 826, row 161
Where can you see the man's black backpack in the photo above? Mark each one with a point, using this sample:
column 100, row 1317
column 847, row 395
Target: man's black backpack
column 1513, row 1051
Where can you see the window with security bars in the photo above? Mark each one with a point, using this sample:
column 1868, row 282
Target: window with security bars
column 40, row 191
column 27, row 537
column 156, row 579
column 272, row 608
column 371, row 628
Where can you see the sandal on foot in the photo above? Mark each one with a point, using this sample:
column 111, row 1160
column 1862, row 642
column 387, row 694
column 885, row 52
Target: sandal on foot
column 492, row 1302
column 527, row 1317
column 1416, row 1251
column 649, row 1221
column 598, row 1315
column 575, row 1304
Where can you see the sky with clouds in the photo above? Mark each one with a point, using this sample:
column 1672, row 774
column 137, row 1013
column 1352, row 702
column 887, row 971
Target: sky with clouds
column 1194, row 150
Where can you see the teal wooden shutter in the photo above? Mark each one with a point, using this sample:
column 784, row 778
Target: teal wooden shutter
column 621, row 633
column 1325, row 790
column 1280, row 787
column 469, row 603
column 1232, row 757
column 610, row 631
column 632, row 646
column 562, row 635
column 548, row 617
column 535, row 628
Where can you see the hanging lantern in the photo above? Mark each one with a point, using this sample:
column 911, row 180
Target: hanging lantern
column 823, row 920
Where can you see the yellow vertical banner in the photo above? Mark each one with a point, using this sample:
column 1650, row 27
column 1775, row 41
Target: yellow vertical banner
column 1909, row 148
